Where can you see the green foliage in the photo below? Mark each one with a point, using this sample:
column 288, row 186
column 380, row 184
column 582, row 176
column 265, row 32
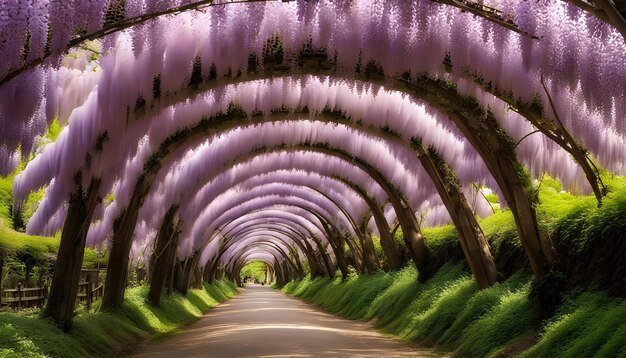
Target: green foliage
column 25, row 254
column 27, row 335
column 500, row 228
column 255, row 269
column 585, row 223
column 448, row 312
column 589, row 324
column 480, row 304
column 378, row 248
column 32, row 203
column 54, row 130
column 6, row 190
column 509, row 319
column 440, row 238
column 492, row 198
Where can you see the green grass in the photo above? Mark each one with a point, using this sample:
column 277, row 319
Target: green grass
column 440, row 237
column 27, row 335
column 448, row 313
column 589, row 324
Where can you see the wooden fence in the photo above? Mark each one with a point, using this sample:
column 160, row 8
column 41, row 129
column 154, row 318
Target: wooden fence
column 88, row 292
column 20, row 297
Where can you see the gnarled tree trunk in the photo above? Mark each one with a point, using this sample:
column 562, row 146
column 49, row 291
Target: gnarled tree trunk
column 162, row 260
column 123, row 229
column 64, row 287
column 370, row 259
column 187, row 267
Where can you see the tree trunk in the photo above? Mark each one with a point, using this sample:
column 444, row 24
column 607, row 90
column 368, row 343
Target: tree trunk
column 387, row 242
column 196, row 278
column 496, row 149
column 163, row 256
column 64, row 287
column 206, row 274
column 172, row 276
column 471, row 236
column 337, row 247
column 280, row 282
column 538, row 249
column 330, row 270
column 412, row 237
column 341, row 258
column 188, row 268
column 117, row 270
column 370, row 259
column 315, row 266
column 357, row 253
column 298, row 263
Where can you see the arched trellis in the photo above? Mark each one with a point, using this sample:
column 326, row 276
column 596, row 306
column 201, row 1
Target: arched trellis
column 280, row 270
column 117, row 20
column 365, row 254
column 96, row 181
column 387, row 242
column 270, row 200
column 211, row 214
column 296, row 224
column 112, row 255
column 237, row 262
column 444, row 175
column 286, row 230
column 128, row 230
column 258, row 240
column 305, row 217
column 125, row 228
column 268, row 239
column 281, row 235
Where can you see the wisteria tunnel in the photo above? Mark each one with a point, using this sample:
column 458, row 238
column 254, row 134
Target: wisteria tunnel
column 453, row 171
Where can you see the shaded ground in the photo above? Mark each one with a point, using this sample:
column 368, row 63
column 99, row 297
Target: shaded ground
column 261, row 322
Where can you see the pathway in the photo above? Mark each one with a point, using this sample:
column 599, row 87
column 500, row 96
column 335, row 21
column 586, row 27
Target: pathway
column 262, row 322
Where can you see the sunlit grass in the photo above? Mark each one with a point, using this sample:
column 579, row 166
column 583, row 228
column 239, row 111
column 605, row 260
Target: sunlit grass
column 27, row 335
column 448, row 312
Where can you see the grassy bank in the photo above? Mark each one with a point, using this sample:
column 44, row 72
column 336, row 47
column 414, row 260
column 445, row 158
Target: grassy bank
column 101, row 334
column 450, row 314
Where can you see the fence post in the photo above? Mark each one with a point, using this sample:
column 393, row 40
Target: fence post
column 19, row 295
column 89, row 295
column 45, row 293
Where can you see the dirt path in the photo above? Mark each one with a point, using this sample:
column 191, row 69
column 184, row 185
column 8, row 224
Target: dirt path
column 261, row 322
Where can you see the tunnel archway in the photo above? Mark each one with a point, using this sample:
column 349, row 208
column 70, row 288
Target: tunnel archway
column 146, row 133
